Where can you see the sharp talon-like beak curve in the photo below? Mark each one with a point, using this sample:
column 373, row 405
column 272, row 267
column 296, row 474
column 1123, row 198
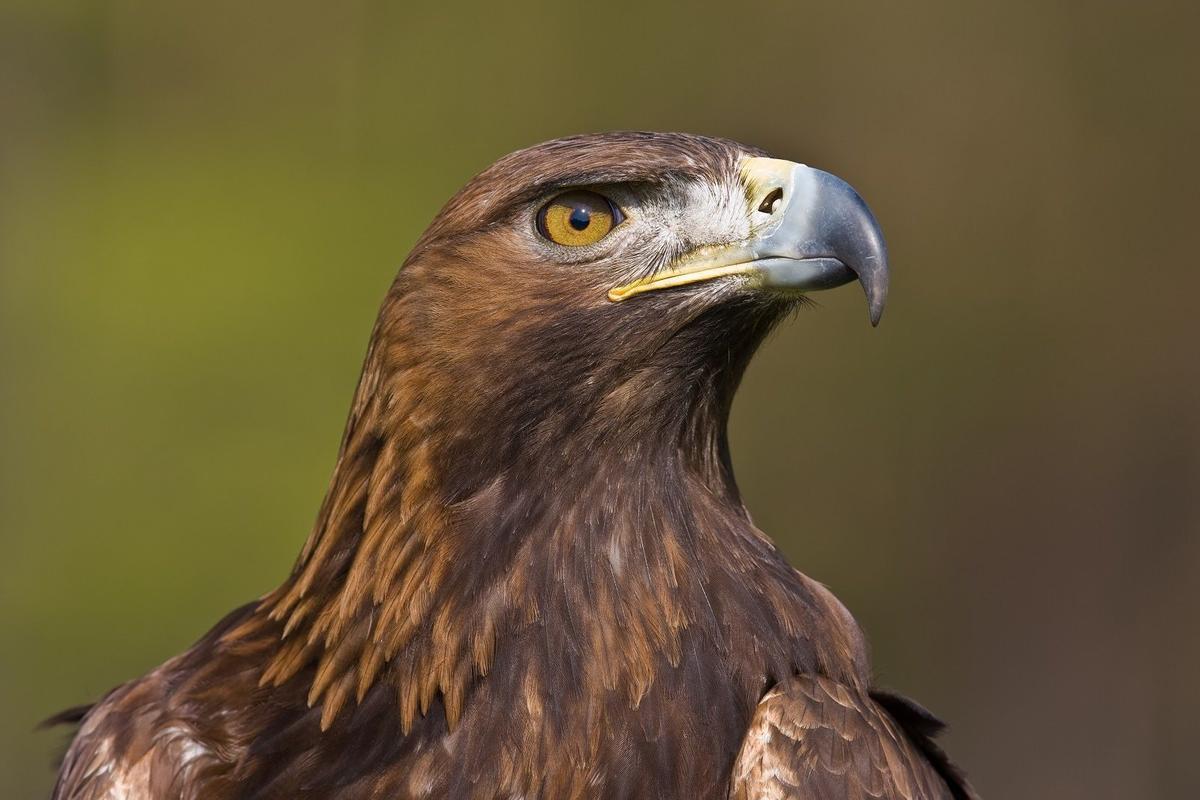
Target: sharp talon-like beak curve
column 812, row 231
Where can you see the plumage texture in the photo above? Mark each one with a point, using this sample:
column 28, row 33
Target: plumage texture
column 812, row 737
column 533, row 575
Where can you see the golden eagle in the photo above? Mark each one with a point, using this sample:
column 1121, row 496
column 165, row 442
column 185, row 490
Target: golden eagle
column 533, row 575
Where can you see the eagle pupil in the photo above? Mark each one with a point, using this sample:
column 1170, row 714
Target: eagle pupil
column 580, row 218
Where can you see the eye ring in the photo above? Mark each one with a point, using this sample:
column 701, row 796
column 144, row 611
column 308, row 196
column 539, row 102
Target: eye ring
column 578, row 218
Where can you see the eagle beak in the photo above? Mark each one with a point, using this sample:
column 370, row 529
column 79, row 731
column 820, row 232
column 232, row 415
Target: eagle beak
column 812, row 232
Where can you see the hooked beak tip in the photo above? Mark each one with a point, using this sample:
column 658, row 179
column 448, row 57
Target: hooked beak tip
column 875, row 286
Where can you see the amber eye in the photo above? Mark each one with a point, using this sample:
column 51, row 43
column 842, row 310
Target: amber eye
column 578, row 218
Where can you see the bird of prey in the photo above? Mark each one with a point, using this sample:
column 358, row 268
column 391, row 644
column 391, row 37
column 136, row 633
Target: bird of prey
column 533, row 575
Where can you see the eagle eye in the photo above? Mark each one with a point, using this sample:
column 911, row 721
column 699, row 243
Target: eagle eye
column 578, row 218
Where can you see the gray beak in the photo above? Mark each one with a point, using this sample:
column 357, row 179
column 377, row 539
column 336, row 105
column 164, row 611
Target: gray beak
column 812, row 232
column 826, row 237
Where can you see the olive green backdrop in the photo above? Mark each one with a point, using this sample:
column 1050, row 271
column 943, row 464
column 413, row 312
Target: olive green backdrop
column 201, row 206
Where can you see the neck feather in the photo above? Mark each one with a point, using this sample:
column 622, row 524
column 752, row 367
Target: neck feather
column 435, row 549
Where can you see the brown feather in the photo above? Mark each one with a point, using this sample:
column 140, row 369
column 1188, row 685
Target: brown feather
column 812, row 737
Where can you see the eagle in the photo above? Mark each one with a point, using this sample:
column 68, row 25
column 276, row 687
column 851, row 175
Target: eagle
column 533, row 575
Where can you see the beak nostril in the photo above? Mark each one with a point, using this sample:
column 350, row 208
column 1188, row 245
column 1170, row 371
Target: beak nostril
column 771, row 202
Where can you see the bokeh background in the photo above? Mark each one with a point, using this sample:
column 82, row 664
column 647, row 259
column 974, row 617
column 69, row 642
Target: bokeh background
column 201, row 205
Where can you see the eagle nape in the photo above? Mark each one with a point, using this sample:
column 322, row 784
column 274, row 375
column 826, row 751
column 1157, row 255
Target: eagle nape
column 815, row 232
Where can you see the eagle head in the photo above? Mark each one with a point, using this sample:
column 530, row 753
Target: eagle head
column 616, row 285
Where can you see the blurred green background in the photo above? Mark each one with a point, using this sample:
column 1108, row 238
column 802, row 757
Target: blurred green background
column 202, row 204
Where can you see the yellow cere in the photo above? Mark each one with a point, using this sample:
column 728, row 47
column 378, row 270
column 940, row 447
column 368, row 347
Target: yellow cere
column 576, row 218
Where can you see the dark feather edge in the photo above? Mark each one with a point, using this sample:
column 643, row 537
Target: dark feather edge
column 921, row 726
